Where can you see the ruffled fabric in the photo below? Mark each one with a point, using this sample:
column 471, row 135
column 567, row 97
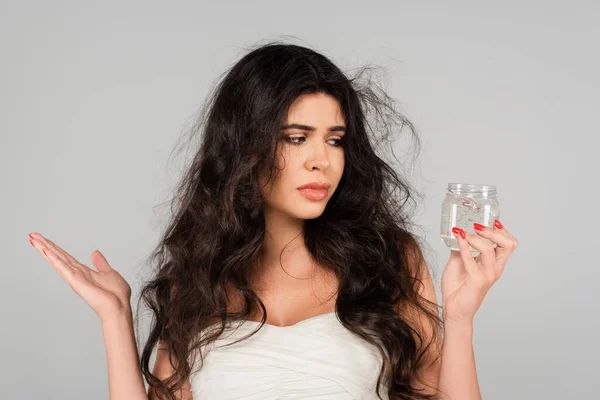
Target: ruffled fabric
column 315, row 359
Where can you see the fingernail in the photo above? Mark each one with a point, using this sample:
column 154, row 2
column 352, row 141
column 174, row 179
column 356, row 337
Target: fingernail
column 456, row 231
column 32, row 243
column 497, row 224
column 463, row 234
column 478, row 227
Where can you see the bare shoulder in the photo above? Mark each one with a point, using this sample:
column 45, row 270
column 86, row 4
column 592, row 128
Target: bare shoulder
column 163, row 369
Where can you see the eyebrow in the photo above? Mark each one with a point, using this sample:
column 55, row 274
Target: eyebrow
column 337, row 128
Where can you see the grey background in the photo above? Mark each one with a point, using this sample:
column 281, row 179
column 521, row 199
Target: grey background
column 94, row 95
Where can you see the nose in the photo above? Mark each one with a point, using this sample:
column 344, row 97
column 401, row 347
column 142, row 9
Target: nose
column 317, row 158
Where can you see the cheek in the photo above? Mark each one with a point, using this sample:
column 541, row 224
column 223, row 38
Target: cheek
column 274, row 195
column 340, row 164
column 284, row 157
column 271, row 190
column 277, row 193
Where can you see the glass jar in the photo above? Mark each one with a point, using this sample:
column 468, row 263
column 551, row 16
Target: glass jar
column 465, row 204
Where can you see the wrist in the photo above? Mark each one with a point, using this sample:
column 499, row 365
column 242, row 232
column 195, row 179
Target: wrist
column 462, row 327
column 118, row 318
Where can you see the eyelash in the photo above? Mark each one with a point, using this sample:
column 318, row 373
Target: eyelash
column 290, row 139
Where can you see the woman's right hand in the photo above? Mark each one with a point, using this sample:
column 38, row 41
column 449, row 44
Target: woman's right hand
column 104, row 290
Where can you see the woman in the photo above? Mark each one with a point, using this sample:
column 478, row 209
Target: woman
column 289, row 224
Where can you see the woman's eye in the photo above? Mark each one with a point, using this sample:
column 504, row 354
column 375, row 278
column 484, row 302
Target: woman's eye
column 295, row 140
column 298, row 140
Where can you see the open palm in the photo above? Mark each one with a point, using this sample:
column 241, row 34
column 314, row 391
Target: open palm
column 104, row 290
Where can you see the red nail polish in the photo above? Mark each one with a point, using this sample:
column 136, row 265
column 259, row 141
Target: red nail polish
column 463, row 234
column 32, row 243
column 497, row 224
column 478, row 227
column 456, row 231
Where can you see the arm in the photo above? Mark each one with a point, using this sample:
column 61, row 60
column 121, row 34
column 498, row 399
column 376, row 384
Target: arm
column 458, row 376
column 164, row 370
column 451, row 368
column 108, row 294
column 125, row 380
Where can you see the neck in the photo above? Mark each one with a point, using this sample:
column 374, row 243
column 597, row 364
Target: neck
column 283, row 247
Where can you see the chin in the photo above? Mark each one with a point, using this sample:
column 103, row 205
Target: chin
column 309, row 214
column 308, row 210
column 300, row 210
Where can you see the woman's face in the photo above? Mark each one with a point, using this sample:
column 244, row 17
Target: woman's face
column 308, row 153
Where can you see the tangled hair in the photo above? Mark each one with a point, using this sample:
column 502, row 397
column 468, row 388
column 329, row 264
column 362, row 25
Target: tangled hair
column 216, row 233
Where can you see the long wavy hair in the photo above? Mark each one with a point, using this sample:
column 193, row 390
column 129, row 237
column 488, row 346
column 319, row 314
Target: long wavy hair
column 217, row 226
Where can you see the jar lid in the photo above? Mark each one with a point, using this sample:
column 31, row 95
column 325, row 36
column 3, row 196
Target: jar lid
column 472, row 188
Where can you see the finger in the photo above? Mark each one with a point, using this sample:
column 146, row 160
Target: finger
column 39, row 246
column 45, row 245
column 59, row 252
column 500, row 227
column 498, row 236
column 465, row 254
column 487, row 254
column 505, row 250
column 458, row 272
column 100, row 262
column 63, row 269
column 484, row 242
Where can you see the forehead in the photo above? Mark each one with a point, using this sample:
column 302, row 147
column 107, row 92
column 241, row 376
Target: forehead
column 318, row 109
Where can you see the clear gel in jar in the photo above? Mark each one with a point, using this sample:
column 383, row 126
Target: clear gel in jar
column 465, row 204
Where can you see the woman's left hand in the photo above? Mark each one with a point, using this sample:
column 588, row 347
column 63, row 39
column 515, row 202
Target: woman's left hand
column 467, row 279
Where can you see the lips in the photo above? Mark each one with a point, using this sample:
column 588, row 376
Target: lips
column 312, row 194
column 316, row 186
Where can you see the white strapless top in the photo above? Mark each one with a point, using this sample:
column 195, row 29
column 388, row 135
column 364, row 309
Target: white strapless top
column 317, row 358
